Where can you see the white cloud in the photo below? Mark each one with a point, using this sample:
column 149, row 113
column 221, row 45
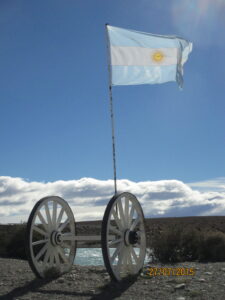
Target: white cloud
column 88, row 197
column 216, row 184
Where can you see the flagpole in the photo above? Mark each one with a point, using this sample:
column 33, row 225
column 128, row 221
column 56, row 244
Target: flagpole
column 111, row 113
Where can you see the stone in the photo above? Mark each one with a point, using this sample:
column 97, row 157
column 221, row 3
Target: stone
column 202, row 280
column 208, row 273
column 180, row 298
column 180, row 286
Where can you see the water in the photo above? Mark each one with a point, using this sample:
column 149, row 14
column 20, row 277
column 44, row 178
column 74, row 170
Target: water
column 91, row 257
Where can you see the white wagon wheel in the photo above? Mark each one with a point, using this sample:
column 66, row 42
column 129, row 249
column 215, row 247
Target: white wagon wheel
column 123, row 236
column 50, row 241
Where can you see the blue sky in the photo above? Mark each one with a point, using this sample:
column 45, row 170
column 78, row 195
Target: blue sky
column 54, row 93
column 54, row 116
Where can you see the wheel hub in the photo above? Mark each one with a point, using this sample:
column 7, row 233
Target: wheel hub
column 131, row 237
column 56, row 238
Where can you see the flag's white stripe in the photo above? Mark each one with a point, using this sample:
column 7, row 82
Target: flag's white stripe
column 139, row 56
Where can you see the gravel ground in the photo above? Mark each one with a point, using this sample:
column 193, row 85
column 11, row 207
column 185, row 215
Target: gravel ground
column 18, row 282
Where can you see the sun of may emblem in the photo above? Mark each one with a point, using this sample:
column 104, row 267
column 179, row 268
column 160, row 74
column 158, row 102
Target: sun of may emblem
column 157, row 56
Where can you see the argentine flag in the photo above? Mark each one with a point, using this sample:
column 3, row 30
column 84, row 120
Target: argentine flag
column 144, row 58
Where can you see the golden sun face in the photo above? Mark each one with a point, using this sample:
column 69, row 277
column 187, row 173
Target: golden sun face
column 157, row 56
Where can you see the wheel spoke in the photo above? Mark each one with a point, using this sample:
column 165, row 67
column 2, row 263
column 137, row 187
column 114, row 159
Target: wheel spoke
column 54, row 213
column 48, row 215
column 124, row 262
column 135, row 222
column 134, row 255
column 114, row 242
column 41, row 252
column 42, row 221
column 115, row 230
column 39, row 242
column 59, row 217
column 126, row 211
column 121, row 213
column 116, row 252
column 57, row 257
column 131, row 215
column 47, row 254
column 129, row 258
column 42, row 232
column 120, row 260
column 62, row 254
column 64, row 224
column 117, row 219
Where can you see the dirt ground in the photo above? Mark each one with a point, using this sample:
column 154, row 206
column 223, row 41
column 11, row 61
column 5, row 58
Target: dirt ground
column 18, row 282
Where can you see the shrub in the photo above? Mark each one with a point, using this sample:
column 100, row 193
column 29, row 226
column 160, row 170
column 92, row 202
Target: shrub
column 166, row 245
column 212, row 247
column 16, row 244
column 3, row 244
column 176, row 245
column 191, row 240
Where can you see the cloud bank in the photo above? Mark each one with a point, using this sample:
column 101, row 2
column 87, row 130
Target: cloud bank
column 88, row 197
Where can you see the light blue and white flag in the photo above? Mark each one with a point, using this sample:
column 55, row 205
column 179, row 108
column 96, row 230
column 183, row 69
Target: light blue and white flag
column 144, row 58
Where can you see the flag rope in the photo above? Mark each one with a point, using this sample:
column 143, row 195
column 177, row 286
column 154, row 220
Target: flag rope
column 111, row 114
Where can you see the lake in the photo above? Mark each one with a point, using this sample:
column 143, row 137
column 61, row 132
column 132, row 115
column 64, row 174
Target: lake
column 91, row 257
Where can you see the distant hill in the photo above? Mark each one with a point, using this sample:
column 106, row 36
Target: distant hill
column 154, row 226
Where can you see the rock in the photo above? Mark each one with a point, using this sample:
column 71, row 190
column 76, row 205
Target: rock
column 180, row 286
column 60, row 280
column 180, row 298
column 208, row 273
column 202, row 280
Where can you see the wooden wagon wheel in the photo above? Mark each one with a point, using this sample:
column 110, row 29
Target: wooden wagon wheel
column 50, row 243
column 124, row 219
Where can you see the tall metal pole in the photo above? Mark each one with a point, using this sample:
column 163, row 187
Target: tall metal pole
column 111, row 111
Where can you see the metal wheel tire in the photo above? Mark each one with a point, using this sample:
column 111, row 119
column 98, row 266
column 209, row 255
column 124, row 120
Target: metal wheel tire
column 123, row 237
column 50, row 244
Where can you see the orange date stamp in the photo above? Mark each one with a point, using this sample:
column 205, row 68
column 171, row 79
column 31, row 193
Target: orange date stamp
column 170, row 272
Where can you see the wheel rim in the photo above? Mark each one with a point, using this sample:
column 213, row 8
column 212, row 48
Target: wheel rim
column 51, row 228
column 123, row 236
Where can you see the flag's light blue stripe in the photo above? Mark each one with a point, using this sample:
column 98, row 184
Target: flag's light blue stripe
column 129, row 75
column 130, row 38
